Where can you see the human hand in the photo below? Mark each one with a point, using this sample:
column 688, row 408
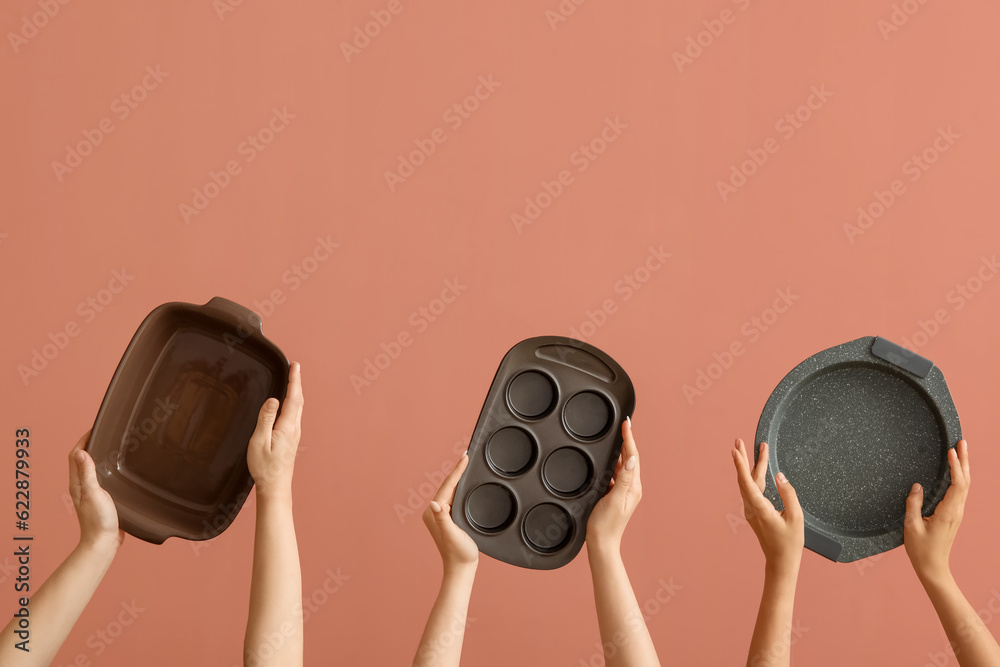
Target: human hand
column 607, row 521
column 458, row 550
column 95, row 510
column 781, row 534
column 272, row 447
column 928, row 540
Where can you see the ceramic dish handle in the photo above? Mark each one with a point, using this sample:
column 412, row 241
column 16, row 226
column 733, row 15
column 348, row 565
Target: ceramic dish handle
column 232, row 311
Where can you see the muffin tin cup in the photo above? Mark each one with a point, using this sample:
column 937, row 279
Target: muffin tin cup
column 543, row 452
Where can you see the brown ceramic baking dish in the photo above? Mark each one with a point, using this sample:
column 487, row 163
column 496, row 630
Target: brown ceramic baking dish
column 171, row 436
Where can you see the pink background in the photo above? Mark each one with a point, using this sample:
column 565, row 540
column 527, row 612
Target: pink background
column 365, row 453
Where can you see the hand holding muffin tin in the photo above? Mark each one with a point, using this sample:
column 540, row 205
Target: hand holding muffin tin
column 170, row 438
column 543, row 452
column 853, row 427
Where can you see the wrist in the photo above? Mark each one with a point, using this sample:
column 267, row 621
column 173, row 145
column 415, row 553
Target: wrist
column 784, row 569
column 103, row 546
column 267, row 498
column 603, row 551
column 935, row 576
column 460, row 570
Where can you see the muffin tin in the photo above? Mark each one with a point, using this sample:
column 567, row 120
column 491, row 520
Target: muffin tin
column 170, row 438
column 543, row 452
column 853, row 427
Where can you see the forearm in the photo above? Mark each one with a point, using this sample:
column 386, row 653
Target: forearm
column 274, row 624
column 770, row 646
column 56, row 606
column 618, row 614
column 441, row 643
column 974, row 645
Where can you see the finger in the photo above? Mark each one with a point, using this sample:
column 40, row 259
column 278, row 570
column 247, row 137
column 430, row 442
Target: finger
column 914, row 502
column 957, row 473
column 760, row 469
column 963, row 457
column 265, row 422
column 291, row 412
column 88, row 475
column 748, row 487
column 446, row 494
column 628, row 474
column 74, row 470
column 793, row 510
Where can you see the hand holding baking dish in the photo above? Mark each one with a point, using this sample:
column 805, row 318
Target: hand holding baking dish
column 543, row 452
column 170, row 438
column 853, row 428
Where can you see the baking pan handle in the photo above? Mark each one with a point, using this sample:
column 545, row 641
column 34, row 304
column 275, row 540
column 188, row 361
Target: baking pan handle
column 822, row 544
column 900, row 356
column 239, row 315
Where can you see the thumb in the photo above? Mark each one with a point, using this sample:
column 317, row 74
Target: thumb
column 442, row 514
column 88, row 475
column 265, row 419
column 914, row 503
column 788, row 496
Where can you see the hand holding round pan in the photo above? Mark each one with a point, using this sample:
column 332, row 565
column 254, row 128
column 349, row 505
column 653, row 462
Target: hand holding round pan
column 781, row 534
column 456, row 547
column 928, row 540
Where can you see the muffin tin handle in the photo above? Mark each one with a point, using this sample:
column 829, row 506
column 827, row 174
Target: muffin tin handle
column 234, row 312
column 900, row 356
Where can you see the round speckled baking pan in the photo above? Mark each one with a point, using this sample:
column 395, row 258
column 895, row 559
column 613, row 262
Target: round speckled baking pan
column 543, row 451
column 853, row 427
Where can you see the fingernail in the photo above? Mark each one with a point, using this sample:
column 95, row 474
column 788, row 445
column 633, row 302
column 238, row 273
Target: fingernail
column 630, row 464
column 629, row 420
column 737, row 443
column 435, row 506
column 465, row 453
column 914, row 488
column 781, row 478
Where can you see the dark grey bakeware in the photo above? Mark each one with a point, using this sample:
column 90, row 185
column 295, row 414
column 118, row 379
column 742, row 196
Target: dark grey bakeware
column 543, row 452
column 853, row 427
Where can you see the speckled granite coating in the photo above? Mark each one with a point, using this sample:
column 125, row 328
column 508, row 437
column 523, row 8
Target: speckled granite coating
column 853, row 432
